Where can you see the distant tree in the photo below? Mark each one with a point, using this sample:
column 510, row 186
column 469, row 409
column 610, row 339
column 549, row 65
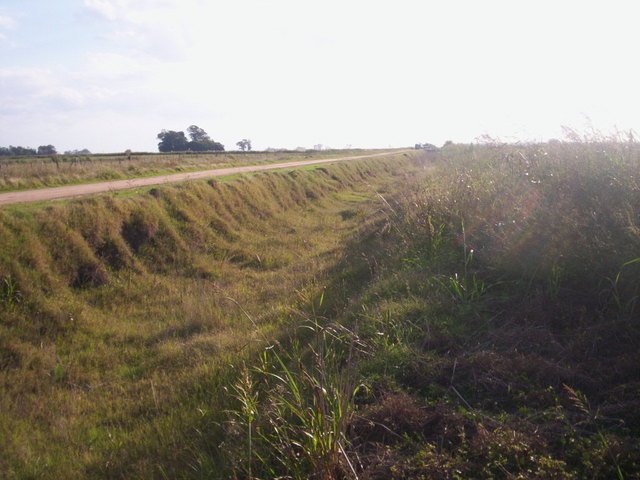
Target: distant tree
column 172, row 141
column 197, row 134
column 216, row 146
column 47, row 150
column 21, row 150
column 4, row 151
column 447, row 143
column 244, row 144
column 206, row 146
column 84, row 151
column 201, row 141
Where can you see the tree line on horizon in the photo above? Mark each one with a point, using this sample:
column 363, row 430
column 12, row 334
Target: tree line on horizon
column 198, row 141
column 170, row 141
column 18, row 151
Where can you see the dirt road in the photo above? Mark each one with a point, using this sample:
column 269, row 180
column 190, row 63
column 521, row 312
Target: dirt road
column 70, row 191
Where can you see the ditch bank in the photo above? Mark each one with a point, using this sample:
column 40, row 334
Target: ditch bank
column 120, row 316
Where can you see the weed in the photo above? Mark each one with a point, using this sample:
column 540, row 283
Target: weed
column 300, row 426
column 245, row 393
column 626, row 305
column 580, row 401
column 466, row 289
column 9, row 292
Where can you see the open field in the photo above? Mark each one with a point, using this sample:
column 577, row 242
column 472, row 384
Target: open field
column 86, row 189
column 376, row 319
column 22, row 173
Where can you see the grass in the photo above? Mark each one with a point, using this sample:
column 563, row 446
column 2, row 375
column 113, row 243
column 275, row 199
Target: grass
column 124, row 318
column 370, row 320
column 499, row 320
column 23, row 173
column 503, row 300
column 303, row 422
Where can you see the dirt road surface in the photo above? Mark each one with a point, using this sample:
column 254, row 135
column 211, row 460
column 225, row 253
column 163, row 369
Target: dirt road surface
column 71, row 191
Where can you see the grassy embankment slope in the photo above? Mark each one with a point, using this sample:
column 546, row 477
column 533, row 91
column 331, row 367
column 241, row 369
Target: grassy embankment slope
column 482, row 322
column 499, row 336
column 122, row 318
column 23, row 173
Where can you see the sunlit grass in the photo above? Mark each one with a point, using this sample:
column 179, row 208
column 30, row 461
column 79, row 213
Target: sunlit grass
column 123, row 319
column 490, row 303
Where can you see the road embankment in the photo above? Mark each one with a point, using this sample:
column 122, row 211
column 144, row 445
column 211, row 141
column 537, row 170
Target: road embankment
column 71, row 191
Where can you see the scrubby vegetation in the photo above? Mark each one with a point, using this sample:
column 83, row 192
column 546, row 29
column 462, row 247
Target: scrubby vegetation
column 124, row 318
column 498, row 336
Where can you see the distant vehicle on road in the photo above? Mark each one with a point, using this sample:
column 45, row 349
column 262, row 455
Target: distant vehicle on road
column 426, row 146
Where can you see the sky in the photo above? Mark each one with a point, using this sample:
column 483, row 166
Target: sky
column 109, row 75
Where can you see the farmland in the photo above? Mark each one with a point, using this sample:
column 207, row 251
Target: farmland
column 470, row 313
column 21, row 173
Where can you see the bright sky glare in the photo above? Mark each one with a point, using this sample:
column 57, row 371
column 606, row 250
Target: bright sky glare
column 108, row 75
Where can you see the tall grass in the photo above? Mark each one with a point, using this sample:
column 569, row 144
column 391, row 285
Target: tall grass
column 566, row 212
column 501, row 293
column 507, row 280
column 295, row 408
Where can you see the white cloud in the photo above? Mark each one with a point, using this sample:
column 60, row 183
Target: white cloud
column 7, row 22
column 115, row 66
column 103, row 8
column 39, row 91
column 145, row 28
